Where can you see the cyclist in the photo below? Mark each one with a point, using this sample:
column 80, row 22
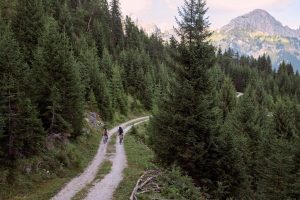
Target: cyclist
column 105, row 135
column 121, row 136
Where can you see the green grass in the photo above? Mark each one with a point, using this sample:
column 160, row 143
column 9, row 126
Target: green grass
column 111, row 147
column 173, row 183
column 64, row 163
column 72, row 158
column 104, row 169
column 139, row 158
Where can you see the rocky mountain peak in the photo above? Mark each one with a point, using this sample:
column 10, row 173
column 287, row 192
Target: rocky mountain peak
column 262, row 21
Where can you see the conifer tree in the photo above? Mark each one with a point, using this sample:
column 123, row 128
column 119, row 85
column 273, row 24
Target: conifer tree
column 28, row 26
column 58, row 90
column 20, row 127
column 93, row 105
column 119, row 100
column 131, row 34
column 184, row 129
column 275, row 171
column 294, row 187
column 227, row 98
column 116, row 25
column 106, row 64
column 284, row 120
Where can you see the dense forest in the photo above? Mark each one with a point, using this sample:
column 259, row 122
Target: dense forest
column 60, row 59
column 244, row 147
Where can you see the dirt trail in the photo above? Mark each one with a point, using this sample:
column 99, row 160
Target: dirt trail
column 89, row 174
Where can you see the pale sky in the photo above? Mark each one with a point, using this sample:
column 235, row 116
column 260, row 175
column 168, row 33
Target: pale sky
column 162, row 12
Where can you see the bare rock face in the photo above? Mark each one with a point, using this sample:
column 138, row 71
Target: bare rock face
column 257, row 33
column 260, row 20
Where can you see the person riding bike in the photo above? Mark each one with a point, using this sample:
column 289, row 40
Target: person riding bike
column 121, row 136
column 105, row 135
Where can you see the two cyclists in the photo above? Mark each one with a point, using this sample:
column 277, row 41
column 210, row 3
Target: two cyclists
column 120, row 133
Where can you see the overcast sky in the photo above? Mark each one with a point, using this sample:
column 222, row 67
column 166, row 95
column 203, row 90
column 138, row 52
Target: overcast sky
column 162, row 12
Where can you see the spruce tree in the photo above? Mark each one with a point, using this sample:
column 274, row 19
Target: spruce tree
column 28, row 26
column 227, row 98
column 119, row 99
column 101, row 90
column 21, row 129
column 117, row 34
column 284, row 120
column 294, row 187
column 184, row 129
column 58, row 89
column 276, row 170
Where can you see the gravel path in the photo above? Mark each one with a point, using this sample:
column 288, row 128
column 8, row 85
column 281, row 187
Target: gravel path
column 87, row 177
column 104, row 189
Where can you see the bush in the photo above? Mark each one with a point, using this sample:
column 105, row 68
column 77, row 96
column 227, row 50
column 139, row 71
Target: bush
column 177, row 186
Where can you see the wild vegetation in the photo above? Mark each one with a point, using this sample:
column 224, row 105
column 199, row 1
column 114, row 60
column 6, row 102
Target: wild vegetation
column 60, row 59
column 240, row 148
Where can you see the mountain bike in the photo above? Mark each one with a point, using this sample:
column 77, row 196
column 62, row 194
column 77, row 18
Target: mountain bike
column 121, row 137
column 105, row 139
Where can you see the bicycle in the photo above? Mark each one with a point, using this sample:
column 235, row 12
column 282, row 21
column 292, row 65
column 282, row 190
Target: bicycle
column 121, row 137
column 105, row 139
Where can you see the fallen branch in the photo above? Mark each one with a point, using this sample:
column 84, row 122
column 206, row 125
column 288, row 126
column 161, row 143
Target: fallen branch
column 141, row 184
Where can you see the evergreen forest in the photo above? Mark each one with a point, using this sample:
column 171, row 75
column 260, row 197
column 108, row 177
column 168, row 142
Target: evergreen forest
column 61, row 59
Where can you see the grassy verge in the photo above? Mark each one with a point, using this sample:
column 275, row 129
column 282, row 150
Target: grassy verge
column 104, row 169
column 56, row 168
column 111, row 147
column 173, row 183
column 139, row 158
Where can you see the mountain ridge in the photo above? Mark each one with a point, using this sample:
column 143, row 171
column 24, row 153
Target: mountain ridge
column 261, row 20
column 258, row 32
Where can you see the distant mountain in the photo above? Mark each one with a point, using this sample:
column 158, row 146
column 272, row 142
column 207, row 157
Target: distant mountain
column 259, row 32
column 165, row 34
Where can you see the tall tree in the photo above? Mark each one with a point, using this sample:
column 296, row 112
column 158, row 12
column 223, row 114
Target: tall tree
column 184, row 130
column 227, row 97
column 28, row 26
column 21, row 130
column 116, row 24
column 58, row 89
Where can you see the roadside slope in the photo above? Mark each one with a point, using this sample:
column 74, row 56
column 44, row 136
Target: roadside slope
column 78, row 183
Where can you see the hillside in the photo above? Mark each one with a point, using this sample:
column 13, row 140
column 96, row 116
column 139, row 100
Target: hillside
column 70, row 70
column 258, row 32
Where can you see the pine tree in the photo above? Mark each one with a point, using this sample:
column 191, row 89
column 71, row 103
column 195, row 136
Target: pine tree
column 275, row 171
column 227, row 97
column 28, row 129
column 106, row 64
column 119, row 100
column 284, row 120
column 184, row 129
column 101, row 90
column 88, row 59
column 132, row 40
column 20, row 127
column 58, row 90
column 116, row 25
column 93, row 105
column 28, row 26
column 294, row 187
